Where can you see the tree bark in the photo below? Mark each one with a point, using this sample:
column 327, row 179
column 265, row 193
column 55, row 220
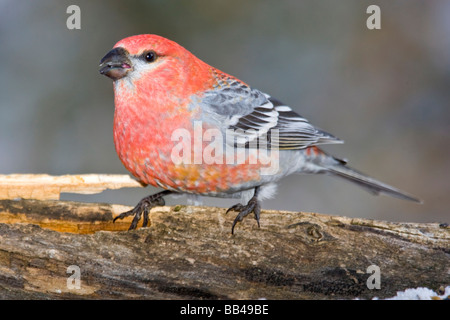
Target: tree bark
column 189, row 253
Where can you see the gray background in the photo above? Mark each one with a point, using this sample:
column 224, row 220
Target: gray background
column 385, row 92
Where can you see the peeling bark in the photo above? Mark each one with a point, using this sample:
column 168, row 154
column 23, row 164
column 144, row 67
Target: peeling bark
column 189, row 253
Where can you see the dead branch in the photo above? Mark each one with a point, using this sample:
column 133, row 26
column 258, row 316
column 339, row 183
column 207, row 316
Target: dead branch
column 189, row 253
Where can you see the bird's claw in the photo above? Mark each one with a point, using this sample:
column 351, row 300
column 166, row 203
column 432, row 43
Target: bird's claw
column 252, row 206
column 143, row 207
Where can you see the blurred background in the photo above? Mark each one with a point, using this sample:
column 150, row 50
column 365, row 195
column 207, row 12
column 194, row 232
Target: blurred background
column 385, row 92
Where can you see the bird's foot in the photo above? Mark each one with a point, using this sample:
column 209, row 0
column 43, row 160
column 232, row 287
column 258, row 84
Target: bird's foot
column 143, row 207
column 252, row 206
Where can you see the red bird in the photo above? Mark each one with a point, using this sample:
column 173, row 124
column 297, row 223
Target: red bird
column 182, row 125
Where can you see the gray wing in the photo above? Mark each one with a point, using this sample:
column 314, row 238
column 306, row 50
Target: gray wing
column 252, row 115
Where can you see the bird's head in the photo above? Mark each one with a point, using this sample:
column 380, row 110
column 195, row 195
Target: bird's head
column 141, row 55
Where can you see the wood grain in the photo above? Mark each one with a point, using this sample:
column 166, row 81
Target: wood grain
column 189, row 253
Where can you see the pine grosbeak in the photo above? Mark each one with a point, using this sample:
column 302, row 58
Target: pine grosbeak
column 175, row 114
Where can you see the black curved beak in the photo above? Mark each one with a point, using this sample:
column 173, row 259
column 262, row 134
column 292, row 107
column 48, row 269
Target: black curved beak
column 115, row 64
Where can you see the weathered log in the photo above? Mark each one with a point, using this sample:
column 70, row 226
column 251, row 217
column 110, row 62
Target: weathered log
column 189, row 253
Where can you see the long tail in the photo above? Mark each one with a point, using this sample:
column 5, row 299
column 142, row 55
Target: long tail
column 337, row 167
column 374, row 186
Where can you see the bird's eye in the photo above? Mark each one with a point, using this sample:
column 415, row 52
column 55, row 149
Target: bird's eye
column 150, row 56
